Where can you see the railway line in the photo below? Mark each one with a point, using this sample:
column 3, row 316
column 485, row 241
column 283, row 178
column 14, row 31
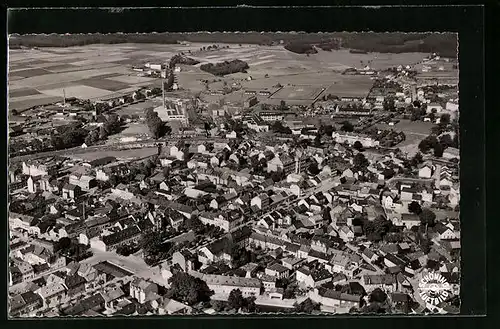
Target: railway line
column 114, row 147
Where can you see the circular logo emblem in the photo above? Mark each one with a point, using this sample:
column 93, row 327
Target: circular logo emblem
column 434, row 288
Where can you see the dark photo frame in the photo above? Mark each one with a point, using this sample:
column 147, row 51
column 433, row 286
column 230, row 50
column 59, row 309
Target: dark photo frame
column 467, row 21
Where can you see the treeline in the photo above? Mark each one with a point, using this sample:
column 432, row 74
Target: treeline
column 180, row 59
column 301, row 48
column 329, row 45
column 224, row 68
column 443, row 43
column 58, row 40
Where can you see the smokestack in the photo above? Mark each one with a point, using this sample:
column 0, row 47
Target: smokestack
column 64, row 96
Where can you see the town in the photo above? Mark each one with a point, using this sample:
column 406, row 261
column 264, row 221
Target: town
column 232, row 179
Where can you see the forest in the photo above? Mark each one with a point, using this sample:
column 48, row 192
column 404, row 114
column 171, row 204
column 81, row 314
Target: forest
column 443, row 43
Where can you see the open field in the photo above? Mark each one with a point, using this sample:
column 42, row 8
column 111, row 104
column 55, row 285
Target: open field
column 410, row 127
column 103, row 71
column 414, row 131
column 298, row 93
column 138, row 108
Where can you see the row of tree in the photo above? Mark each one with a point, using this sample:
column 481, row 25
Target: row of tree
column 225, row 68
column 301, row 48
column 156, row 126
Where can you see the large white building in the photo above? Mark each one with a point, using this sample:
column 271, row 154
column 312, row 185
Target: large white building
column 173, row 109
column 223, row 285
column 352, row 138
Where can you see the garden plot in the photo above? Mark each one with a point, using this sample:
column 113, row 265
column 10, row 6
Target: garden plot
column 131, row 79
column 28, row 73
column 65, row 77
column 80, row 91
column 61, row 68
column 31, row 101
column 262, row 62
column 22, row 93
column 106, row 84
column 350, row 86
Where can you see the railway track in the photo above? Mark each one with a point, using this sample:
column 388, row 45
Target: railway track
column 112, row 147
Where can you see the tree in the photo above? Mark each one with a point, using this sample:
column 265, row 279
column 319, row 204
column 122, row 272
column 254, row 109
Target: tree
column 388, row 173
column 425, row 245
column 218, row 305
column 250, row 304
column 372, row 308
column 313, row 168
column 62, row 244
column 278, row 127
column 417, row 159
column 307, row 306
column 389, row 104
column 103, row 134
column 360, row 161
column 282, row 105
column 438, row 150
column 154, row 123
column 327, row 129
column 414, row 207
column 188, row 289
column 428, row 143
column 444, row 119
column 236, row 300
column 427, row 218
column 358, row 146
column 377, row 296
column 92, row 138
column 347, row 126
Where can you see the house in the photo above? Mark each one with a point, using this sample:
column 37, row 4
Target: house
column 128, row 235
column 386, row 282
column 122, row 191
column 52, row 294
column 444, row 232
column 25, row 303
column 141, row 289
column 345, row 233
column 369, row 256
column 434, row 108
column 223, row 285
column 74, row 284
column 172, row 307
column 333, row 298
column 184, row 259
column 278, row 270
column 410, row 220
column 400, row 302
column 215, row 251
column 425, row 171
column 268, row 282
column 261, row 201
column 70, row 191
column 85, row 182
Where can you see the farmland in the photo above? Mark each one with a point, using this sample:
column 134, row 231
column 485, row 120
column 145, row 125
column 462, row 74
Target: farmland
column 38, row 76
column 415, row 131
